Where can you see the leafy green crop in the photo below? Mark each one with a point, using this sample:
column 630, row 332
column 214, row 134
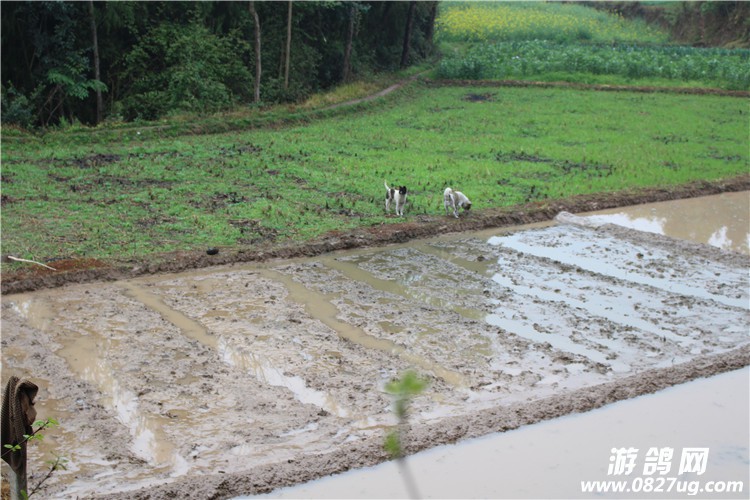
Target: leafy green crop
column 722, row 68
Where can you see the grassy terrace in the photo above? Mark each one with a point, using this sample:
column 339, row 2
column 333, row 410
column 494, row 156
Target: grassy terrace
column 505, row 146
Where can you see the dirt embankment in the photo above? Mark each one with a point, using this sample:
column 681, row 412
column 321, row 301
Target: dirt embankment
column 85, row 270
column 704, row 24
column 589, row 86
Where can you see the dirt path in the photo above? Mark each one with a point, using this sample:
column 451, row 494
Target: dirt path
column 376, row 95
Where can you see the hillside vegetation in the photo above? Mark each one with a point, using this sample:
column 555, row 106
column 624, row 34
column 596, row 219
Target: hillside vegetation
column 723, row 24
column 70, row 62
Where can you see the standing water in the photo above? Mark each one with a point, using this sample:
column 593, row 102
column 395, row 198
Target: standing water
column 722, row 220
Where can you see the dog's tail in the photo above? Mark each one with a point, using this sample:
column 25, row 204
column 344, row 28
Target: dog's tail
column 386, row 186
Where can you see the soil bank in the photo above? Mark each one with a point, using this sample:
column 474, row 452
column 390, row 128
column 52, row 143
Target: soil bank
column 84, row 270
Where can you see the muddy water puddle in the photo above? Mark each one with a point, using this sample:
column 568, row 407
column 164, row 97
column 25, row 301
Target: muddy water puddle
column 226, row 369
column 722, row 220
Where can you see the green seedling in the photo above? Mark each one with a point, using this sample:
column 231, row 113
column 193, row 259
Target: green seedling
column 403, row 391
column 59, row 462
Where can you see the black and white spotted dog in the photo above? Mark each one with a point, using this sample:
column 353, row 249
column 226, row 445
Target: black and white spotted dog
column 397, row 196
column 453, row 200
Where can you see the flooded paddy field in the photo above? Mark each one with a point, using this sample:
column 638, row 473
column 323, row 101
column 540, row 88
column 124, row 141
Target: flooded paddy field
column 551, row 459
column 241, row 379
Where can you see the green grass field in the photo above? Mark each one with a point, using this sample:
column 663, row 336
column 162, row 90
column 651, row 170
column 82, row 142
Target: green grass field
column 146, row 195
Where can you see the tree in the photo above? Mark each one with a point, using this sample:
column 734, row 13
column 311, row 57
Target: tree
column 430, row 27
column 178, row 67
column 160, row 57
column 97, row 73
column 355, row 12
column 349, row 39
column 407, row 34
column 45, row 59
column 288, row 50
column 256, row 44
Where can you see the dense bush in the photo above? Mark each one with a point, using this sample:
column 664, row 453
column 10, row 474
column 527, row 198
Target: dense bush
column 184, row 68
column 16, row 108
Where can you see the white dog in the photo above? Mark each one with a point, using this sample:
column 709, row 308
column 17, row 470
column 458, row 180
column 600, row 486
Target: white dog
column 398, row 196
column 453, row 200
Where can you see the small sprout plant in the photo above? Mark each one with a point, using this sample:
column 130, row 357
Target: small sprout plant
column 403, row 391
column 34, row 436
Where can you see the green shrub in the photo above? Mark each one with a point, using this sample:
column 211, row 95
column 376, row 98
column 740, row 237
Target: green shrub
column 188, row 69
column 16, row 108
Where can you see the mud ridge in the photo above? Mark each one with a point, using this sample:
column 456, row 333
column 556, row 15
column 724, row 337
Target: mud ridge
column 87, row 270
column 264, row 479
column 587, row 86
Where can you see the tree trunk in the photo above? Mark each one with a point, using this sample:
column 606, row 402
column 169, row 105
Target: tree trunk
column 288, row 45
column 349, row 41
column 256, row 25
column 97, row 75
column 386, row 12
column 431, row 25
column 407, row 34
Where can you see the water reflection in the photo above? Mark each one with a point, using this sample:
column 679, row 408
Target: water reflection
column 721, row 220
column 649, row 224
column 720, row 239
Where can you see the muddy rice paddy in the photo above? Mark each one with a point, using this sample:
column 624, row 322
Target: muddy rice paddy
column 243, row 378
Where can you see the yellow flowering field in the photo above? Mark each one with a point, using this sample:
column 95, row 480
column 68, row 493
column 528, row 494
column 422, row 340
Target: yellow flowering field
column 499, row 21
